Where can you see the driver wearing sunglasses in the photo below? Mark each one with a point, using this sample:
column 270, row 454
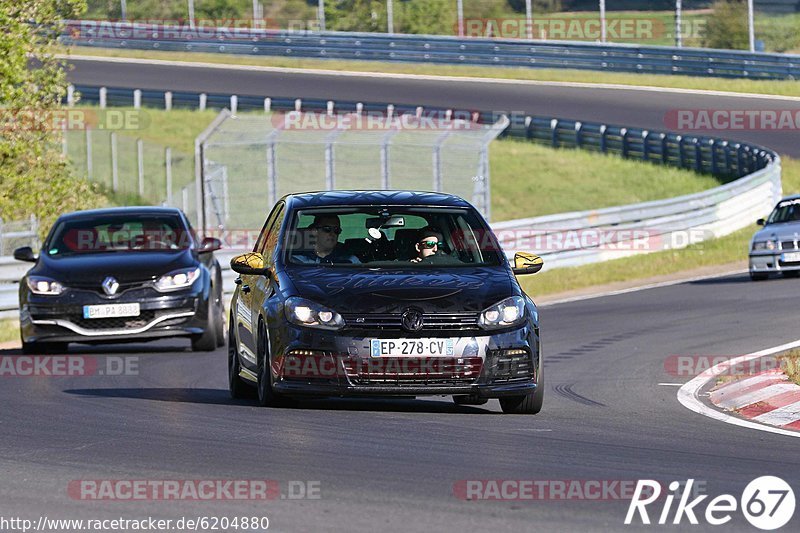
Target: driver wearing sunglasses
column 325, row 231
column 429, row 242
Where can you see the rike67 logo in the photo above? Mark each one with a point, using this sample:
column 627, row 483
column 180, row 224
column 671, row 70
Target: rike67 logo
column 767, row 503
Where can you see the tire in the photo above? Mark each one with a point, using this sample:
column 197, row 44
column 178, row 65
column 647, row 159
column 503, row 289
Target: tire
column 529, row 404
column 35, row 348
column 791, row 273
column 207, row 342
column 267, row 397
column 236, row 386
column 463, row 399
column 758, row 276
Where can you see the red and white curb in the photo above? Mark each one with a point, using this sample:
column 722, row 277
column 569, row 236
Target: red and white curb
column 768, row 398
column 768, row 401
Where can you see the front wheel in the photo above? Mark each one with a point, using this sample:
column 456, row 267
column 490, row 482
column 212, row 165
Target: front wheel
column 236, row 386
column 529, row 404
column 267, row 397
column 207, row 341
column 758, row 276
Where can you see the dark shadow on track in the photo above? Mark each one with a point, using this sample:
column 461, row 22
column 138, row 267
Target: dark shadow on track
column 200, row 396
column 727, row 280
column 221, row 397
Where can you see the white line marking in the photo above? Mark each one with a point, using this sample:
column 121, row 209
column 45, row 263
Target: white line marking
column 688, row 394
column 743, row 400
column 781, row 416
column 671, row 384
column 639, row 288
column 424, row 77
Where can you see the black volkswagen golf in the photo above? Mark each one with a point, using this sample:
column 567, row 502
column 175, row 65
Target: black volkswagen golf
column 121, row 274
column 383, row 294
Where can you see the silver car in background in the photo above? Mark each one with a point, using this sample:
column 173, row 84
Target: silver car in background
column 775, row 248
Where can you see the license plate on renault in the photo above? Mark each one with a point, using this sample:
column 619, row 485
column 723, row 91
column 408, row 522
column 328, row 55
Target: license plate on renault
column 431, row 347
column 110, row 310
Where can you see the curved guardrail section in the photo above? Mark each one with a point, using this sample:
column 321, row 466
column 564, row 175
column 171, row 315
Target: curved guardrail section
column 754, row 187
column 435, row 49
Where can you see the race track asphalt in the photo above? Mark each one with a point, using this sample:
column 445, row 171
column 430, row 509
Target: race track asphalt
column 392, row 464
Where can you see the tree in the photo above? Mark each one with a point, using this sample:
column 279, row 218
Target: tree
column 355, row 15
column 34, row 177
column 727, row 26
column 431, row 17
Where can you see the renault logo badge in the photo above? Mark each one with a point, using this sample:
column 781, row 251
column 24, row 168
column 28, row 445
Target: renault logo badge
column 110, row 286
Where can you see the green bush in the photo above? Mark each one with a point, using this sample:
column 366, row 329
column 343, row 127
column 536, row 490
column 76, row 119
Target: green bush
column 727, row 26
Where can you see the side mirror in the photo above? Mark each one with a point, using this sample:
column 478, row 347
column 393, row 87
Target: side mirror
column 209, row 244
column 249, row 264
column 25, row 254
column 525, row 263
column 761, row 222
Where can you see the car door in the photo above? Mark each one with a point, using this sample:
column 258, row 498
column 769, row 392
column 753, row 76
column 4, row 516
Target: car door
column 250, row 290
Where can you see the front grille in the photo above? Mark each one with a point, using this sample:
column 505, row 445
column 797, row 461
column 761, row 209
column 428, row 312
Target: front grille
column 510, row 366
column 127, row 322
column 408, row 371
column 430, row 322
column 787, row 245
column 97, row 287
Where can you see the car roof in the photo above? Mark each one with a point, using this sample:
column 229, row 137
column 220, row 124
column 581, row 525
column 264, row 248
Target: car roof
column 127, row 210
column 343, row 198
column 792, row 197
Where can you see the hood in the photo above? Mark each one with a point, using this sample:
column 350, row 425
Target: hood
column 435, row 290
column 787, row 231
column 125, row 266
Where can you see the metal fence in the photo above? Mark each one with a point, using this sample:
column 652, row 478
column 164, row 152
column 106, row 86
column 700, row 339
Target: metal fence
column 251, row 160
column 134, row 171
column 447, row 50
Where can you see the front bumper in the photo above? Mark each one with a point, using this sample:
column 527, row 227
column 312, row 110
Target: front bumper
column 60, row 318
column 772, row 262
column 482, row 365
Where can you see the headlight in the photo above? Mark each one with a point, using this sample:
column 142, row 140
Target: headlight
column 760, row 246
column 178, row 279
column 509, row 312
column 307, row 313
column 42, row 285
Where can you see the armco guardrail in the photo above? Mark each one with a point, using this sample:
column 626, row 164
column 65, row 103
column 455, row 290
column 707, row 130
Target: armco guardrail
column 755, row 185
column 720, row 210
column 436, row 49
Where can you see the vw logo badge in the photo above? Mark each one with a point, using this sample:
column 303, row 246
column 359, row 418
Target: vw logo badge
column 411, row 320
column 110, row 286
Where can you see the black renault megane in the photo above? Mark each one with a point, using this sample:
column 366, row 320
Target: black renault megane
column 383, row 294
column 121, row 274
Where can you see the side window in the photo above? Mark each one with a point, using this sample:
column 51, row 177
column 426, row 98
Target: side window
column 271, row 234
column 278, row 209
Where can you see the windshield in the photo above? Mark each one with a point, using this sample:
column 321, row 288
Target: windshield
column 116, row 233
column 786, row 211
column 376, row 237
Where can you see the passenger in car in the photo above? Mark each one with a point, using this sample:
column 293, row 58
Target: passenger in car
column 325, row 231
column 429, row 240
